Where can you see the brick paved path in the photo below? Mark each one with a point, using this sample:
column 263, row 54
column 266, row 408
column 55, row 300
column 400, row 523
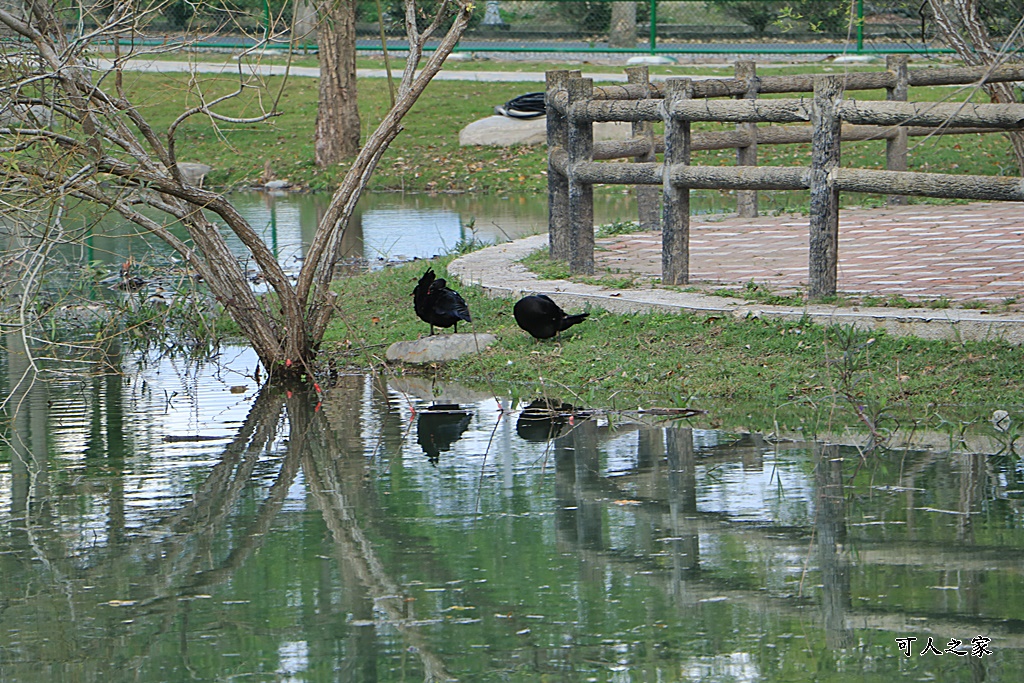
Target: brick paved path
column 959, row 252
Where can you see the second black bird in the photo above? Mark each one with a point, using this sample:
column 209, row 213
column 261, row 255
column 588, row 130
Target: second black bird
column 435, row 304
column 542, row 317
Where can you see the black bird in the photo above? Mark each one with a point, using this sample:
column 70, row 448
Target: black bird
column 435, row 304
column 541, row 317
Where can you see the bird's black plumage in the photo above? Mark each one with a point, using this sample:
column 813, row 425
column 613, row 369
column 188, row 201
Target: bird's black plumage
column 435, row 304
column 419, row 297
column 542, row 317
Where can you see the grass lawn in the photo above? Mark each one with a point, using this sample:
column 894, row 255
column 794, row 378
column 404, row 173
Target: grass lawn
column 426, row 156
column 750, row 371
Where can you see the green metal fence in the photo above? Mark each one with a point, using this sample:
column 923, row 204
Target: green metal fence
column 679, row 24
column 603, row 26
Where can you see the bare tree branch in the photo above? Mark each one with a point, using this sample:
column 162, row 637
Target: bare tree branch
column 73, row 132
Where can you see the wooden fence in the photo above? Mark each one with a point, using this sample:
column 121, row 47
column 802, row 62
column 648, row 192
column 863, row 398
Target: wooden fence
column 575, row 159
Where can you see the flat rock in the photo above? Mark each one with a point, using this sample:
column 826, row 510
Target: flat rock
column 853, row 59
column 502, row 131
column 193, row 173
column 651, row 59
column 29, row 116
column 438, row 348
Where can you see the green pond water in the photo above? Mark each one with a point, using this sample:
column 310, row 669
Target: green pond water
column 384, row 227
column 172, row 522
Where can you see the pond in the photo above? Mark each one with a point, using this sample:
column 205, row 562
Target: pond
column 384, row 227
column 173, row 522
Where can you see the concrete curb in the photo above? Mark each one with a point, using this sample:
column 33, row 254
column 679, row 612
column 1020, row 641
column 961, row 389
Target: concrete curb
column 497, row 270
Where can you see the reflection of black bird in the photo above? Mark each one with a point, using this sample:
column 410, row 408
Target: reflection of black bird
column 541, row 317
column 439, row 426
column 544, row 419
column 435, row 304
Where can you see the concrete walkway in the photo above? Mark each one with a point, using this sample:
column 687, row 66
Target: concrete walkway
column 969, row 255
column 228, row 67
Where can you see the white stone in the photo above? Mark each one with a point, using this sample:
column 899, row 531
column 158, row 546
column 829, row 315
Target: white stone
column 650, row 59
column 853, row 59
column 24, row 116
column 193, row 173
column 1001, row 420
column 502, row 131
column 438, row 348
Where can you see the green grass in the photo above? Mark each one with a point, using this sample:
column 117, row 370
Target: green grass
column 427, row 156
column 755, row 366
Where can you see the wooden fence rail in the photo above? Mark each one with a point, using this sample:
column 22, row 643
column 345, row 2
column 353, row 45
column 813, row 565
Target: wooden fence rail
column 575, row 160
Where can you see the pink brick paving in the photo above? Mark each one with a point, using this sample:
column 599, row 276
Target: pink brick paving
column 960, row 252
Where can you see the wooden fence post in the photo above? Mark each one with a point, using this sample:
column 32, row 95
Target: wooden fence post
column 824, row 237
column 581, row 195
column 746, row 200
column 896, row 148
column 558, row 184
column 647, row 196
column 675, row 235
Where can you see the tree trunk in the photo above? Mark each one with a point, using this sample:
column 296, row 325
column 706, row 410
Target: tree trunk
column 102, row 150
column 305, row 24
column 337, row 117
column 623, row 25
column 962, row 27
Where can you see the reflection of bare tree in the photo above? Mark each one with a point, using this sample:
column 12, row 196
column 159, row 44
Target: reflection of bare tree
column 830, row 532
column 682, row 486
column 200, row 544
column 334, row 476
column 25, row 406
column 578, row 516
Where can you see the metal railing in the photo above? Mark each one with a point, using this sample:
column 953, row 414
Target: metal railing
column 653, row 27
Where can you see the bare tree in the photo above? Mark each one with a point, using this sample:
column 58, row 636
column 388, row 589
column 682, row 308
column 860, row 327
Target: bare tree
column 69, row 132
column 337, row 117
column 963, row 28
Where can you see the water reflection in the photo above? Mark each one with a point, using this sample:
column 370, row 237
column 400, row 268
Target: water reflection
column 384, row 227
column 314, row 542
column 439, row 426
column 545, row 419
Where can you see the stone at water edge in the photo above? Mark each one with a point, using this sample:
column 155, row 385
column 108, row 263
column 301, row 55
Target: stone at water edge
column 438, row 348
column 193, row 173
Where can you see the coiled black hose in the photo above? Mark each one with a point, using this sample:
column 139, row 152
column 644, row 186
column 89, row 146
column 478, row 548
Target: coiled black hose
column 528, row 106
